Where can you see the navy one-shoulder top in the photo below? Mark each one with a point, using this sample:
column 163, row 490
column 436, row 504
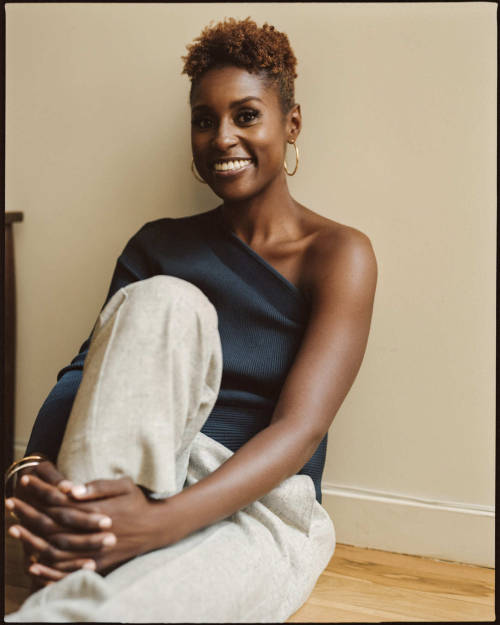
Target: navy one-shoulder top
column 261, row 320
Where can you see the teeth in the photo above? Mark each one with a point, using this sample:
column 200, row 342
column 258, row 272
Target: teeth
column 236, row 164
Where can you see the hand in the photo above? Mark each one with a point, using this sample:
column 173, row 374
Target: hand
column 133, row 520
column 64, row 551
column 38, row 504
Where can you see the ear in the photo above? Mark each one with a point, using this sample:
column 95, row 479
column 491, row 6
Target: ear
column 293, row 123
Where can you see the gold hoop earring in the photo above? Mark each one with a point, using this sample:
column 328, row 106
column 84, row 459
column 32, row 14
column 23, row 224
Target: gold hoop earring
column 296, row 160
column 198, row 178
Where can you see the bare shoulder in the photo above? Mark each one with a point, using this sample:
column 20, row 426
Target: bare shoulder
column 339, row 257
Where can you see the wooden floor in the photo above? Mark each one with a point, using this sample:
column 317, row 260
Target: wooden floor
column 360, row 586
column 371, row 586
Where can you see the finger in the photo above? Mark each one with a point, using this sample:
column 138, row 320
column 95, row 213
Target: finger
column 26, row 565
column 34, row 487
column 57, row 519
column 99, row 489
column 31, row 542
column 47, row 572
column 75, row 565
column 57, row 572
column 30, row 517
column 48, row 472
column 79, row 520
column 18, row 488
column 28, row 554
column 10, row 509
column 82, row 543
column 48, row 552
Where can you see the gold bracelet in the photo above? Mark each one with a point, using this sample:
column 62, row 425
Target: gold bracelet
column 13, row 467
column 28, row 461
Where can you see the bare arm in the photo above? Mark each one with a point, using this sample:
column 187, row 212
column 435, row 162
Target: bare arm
column 321, row 376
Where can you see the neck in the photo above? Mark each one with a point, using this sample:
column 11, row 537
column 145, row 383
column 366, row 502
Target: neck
column 267, row 218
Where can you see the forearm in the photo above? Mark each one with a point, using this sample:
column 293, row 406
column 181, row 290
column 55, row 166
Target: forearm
column 274, row 454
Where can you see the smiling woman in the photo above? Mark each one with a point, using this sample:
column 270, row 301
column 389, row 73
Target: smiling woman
column 185, row 443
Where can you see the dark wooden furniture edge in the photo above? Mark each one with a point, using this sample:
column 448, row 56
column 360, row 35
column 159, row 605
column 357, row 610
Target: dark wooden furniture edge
column 9, row 340
column 11, row 217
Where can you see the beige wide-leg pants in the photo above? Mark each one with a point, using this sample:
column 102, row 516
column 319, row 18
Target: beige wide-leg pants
column 150, row 380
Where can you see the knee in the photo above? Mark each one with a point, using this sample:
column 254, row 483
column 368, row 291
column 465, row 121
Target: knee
column 169, row 291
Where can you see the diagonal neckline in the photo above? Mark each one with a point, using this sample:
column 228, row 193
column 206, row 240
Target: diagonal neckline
column 236, row 239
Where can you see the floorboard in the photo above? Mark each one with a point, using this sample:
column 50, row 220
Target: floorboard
column 370, row 586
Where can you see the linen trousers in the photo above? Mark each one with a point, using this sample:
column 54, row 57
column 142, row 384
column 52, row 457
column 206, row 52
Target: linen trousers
column 150, row 380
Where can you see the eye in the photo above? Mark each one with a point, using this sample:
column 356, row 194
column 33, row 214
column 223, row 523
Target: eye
column 202, row 122
column 247, row 116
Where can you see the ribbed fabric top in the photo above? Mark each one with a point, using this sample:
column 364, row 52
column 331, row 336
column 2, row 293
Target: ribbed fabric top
column 262, row 317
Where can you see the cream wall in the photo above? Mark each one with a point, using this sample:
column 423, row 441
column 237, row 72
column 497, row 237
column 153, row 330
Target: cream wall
column 399, row 108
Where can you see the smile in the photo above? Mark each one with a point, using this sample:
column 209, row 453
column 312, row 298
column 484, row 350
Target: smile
column 231, row 166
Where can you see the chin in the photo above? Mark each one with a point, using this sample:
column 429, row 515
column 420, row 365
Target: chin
column 235, row 195
column 241, row 193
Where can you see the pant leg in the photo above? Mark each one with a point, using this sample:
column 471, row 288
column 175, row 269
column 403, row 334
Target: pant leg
column 260, row 564
column 150, row 380
column 257, row 566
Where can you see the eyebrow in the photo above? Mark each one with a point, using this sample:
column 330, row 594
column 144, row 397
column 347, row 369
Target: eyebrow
column 233, row 104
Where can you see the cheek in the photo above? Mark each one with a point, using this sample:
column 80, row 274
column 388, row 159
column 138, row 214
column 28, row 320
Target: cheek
column 269, row 147
column 194, row 147
column 199, row 140
column 195, row 143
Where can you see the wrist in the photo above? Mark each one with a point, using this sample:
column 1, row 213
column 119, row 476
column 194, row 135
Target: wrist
column 167, row 522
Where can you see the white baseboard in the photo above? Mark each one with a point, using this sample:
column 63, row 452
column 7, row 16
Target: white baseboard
column 434, row 529
column 442, row 530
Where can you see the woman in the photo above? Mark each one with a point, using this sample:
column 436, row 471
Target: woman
column 187, row 486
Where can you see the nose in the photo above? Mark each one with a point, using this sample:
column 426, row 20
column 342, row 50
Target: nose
column 224, row 137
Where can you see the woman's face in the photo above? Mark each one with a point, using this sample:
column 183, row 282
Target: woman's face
column 239, row 132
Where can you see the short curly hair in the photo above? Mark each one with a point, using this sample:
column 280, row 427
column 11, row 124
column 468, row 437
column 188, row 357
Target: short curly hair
column 242, row 43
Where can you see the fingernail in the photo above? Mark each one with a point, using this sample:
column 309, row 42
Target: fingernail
column 109, row 540
column 105, row 522
column 14, row 531
column 78, row 490
column 34, row 569
column 25, row 480
column 89, row 565
column 9, row 503
column 65, row 486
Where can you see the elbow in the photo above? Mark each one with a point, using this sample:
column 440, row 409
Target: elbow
column 299, row 439
column 312, row 437
column 316, row 437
